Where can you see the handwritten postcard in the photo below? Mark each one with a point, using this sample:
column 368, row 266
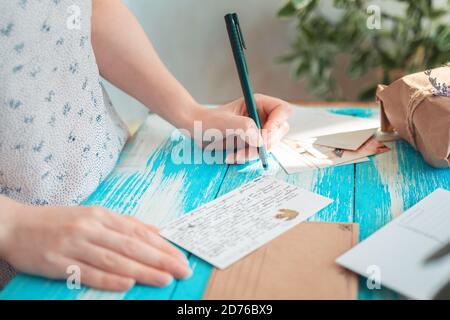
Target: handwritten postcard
column 237, row 223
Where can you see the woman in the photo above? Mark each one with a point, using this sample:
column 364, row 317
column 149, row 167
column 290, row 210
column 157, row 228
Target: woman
column 60, row 136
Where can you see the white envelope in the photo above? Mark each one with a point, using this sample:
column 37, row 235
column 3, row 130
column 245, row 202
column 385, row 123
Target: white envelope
column 351, row 140
column 310, row 123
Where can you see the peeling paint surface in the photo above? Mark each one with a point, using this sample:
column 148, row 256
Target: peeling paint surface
column 147, row 184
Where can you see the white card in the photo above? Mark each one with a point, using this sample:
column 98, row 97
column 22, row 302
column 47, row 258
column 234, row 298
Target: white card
column 239, row 222
column 395, row 255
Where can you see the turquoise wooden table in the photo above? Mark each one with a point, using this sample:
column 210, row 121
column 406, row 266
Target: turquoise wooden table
column 148, row 185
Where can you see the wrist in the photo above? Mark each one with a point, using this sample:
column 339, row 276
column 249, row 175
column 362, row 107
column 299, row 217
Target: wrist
column 9, row 211
column 192, row 113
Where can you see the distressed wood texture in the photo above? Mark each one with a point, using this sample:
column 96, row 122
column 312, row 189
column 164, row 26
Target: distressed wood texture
column 150, row 186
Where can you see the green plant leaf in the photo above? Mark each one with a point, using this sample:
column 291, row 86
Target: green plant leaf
column 286, row 58
column 443, row 40
column 299, row 3
column 301, row 70
column 358, row 65
column 288, row 10
column 409, row 41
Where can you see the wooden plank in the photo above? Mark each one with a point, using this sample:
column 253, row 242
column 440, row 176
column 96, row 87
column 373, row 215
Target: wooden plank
column 387, row 186
column 148, row 185
column 336, row 183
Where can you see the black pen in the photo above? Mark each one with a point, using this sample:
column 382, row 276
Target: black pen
column 445, row 250
column 238, row 46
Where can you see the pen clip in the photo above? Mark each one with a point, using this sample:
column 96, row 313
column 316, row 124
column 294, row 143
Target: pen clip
column 239, row 30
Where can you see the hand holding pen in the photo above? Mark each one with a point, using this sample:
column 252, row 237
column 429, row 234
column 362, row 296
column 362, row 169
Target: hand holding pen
column 253, row 113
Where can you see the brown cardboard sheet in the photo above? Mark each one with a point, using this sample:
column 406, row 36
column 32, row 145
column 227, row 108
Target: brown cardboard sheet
column 299, row 264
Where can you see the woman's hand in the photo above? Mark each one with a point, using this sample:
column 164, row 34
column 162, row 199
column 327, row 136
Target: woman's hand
column 233, row 116
column 127, row 59
column 112, row 251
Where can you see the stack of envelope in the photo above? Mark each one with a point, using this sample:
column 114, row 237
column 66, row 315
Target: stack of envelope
column 320, row 139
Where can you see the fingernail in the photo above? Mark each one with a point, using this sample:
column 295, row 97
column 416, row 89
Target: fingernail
column 165, row 280
column 229, row 159
column 184, row 259
column 240, row 159
column 127, row 284
column 253, row 135
column 188, row 273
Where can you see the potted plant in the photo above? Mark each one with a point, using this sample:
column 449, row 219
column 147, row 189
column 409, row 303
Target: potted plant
column 390, row 39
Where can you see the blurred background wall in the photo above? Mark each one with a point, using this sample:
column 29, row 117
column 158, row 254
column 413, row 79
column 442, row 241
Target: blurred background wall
column 191, row 38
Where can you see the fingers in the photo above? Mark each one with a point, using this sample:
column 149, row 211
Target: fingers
column 134, row 228
column 273, row 137
column 270, row 137
column 230, row 125
column 113, row 263
column 276, row 120
column 274, row 114
column 275, row 111
column 276, row 126
column 243, row 155
column 126, row 248
column 244, row 128
column 154, row 256
column 96, row 278
column 150, row 227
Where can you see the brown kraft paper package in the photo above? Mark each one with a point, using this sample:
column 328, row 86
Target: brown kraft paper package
column 417, row 106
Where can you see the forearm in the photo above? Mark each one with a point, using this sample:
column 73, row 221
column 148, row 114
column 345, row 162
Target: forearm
column 8, row 211
column 127, row 59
